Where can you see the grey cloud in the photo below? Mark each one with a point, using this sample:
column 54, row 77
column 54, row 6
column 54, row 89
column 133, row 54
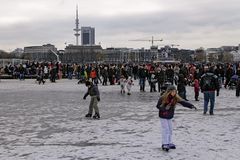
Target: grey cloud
column 175, row 23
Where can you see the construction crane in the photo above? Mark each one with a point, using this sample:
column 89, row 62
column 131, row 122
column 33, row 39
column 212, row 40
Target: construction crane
column 57, row 56
column 148, row 40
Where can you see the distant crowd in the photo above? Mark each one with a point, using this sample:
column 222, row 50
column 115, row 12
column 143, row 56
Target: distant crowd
column 155, row 74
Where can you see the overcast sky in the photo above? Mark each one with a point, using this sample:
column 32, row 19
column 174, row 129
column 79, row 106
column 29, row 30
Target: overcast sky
column 188, row 23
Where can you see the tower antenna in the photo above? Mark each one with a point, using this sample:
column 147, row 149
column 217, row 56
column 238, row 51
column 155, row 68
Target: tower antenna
column 77, row 26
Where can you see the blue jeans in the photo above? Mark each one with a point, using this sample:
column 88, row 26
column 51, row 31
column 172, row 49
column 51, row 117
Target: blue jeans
column 209, row 95
column 142, row 84
column 21, row 76
column 70, row 75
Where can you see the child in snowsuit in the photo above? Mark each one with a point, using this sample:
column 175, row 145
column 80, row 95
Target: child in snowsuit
column 129, row 85
column 166, row 105
column 95, row 97
column 196, row 89
column 122, row 81
column 152, row 83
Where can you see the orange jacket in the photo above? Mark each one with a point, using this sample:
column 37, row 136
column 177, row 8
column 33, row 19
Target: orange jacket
column 93, row 74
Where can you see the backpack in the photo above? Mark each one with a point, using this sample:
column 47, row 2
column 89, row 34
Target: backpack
column 208, row 82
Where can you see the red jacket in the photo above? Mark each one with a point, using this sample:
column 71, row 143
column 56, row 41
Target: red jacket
column 93, row 74
column 196, row 85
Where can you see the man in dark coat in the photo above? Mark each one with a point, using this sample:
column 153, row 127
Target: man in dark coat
column 209, row 84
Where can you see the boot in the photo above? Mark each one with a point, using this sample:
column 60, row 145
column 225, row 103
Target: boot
column 96, row 116
column 172, row 146
column 165, row 147
column 88, row 115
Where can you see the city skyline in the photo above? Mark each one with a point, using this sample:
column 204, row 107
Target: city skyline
column 189, row 24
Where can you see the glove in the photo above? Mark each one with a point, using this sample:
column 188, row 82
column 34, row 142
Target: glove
column 84, row 97
column 98, row 98
column 193, row 107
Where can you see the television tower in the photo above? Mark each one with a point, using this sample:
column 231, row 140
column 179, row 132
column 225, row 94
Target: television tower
column 77, row 26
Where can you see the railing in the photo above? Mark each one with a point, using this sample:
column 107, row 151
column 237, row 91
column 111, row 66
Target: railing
column 4, row 62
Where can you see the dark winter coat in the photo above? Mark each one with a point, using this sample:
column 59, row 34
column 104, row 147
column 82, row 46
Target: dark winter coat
column 209, row 82
column 160, row 76
column 167, row 112
column 238, row 88
column 181, row 87
column 170, row 73
column 143, row 73
column 229, row 73
column 92, row 91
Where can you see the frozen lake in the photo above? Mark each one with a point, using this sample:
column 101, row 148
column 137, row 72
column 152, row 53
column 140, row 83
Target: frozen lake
column 46, row 122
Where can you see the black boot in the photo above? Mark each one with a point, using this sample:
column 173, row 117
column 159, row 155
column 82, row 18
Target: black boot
column 88, row 115
column 96, row 116
column 165, row 147
column 172, row 146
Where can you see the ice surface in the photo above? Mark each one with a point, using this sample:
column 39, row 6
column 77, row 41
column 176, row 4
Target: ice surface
column 46, row 122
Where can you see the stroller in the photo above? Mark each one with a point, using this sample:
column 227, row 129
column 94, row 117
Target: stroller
column 233, row 82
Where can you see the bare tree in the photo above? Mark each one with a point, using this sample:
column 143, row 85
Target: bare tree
column 227, row 57
column 212, row 57
column 200, row 55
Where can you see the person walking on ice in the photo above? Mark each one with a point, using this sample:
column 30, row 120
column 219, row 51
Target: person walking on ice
column 166, row 105
column 95, row 97
column 129, row 85
column 122, row 81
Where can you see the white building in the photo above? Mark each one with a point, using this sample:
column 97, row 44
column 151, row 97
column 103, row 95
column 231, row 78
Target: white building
column 40, row 53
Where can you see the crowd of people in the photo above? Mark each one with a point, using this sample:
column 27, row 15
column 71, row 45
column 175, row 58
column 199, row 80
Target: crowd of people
column 157, row 75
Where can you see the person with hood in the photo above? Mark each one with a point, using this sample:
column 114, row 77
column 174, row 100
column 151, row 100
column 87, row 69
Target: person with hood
column 209, row 84
column 166, row 105
column 95, row 98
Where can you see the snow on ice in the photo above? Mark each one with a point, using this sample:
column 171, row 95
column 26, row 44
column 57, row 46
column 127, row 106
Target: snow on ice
column 46, row 122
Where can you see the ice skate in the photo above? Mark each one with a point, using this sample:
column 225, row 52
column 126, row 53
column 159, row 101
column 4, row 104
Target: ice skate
column 165, row 147
column 172, row 146
column 96, row 116
column 88, row 115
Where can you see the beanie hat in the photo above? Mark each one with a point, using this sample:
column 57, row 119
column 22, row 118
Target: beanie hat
column 171, row 88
